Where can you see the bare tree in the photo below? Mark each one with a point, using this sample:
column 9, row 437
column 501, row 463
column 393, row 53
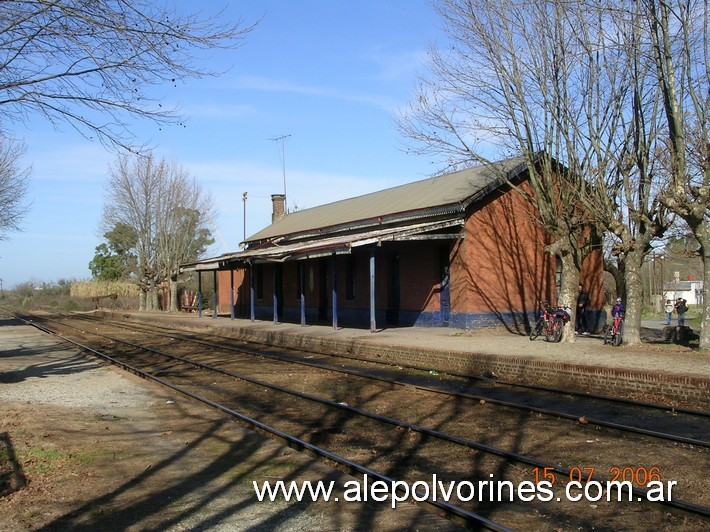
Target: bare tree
column 13, row 186
column 182, row 232
column 627, row 182
column 680, row 44
column 131, row 197
column 167, row 212
column 516, row 79
column 573, row 80
column 95, row 65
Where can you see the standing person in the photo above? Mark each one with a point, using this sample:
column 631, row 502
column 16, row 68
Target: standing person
column 582, row 302
column 669, row 307
column 681, row 308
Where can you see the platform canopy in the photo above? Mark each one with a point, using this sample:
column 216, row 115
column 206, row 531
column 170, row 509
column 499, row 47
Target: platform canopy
column 341, row 244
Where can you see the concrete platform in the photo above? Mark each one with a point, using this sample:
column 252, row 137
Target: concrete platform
column 652, row 372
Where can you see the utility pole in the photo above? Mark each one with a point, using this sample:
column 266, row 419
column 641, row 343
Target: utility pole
column 281, row 141
column 244, row 200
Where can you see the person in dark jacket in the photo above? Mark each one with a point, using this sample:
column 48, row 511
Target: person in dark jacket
column 681, row 307
column 581, row 319
column 618, row 308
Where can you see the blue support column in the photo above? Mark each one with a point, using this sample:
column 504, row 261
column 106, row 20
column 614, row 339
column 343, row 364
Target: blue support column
column 373, row 321
column 214, row 297
column 276, row 299
column 199, row 294
column 231, row 292
column 335, row 294
column 302, row 287
column 251, row 291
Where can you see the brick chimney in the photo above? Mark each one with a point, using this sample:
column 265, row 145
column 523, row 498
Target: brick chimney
column 278, row 202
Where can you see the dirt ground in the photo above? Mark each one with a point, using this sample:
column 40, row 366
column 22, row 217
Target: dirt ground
column 86, row 447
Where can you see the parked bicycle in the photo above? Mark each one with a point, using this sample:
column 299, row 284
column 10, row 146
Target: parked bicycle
column 550, row 323
column 614, row 333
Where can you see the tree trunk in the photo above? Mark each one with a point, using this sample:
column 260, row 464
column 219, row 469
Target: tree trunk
column 618, row 273
column 154, row 297
column 173, row 286
column 705, row 316
column 634, row 298
column 142, row 299
column 568, row 294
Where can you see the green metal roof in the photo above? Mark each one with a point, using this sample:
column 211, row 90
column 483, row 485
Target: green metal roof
column 446, row 193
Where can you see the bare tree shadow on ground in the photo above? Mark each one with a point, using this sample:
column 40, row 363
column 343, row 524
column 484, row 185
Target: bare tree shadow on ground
column 12, row 478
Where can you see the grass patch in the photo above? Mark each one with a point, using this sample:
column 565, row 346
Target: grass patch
column 41, row 460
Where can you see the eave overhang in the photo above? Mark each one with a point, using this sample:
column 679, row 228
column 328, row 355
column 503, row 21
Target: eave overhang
column 275, row 252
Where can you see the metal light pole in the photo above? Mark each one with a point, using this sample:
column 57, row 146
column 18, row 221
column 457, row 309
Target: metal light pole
column 663, row 276
column 244, row 200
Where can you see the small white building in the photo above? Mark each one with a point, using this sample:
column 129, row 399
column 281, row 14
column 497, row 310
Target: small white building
column 691, row 291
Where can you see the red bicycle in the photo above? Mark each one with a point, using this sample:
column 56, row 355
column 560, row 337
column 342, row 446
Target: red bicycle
column 615, row 330
column 550, row 322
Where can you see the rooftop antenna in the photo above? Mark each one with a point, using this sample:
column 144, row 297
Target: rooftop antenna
column 281, row 141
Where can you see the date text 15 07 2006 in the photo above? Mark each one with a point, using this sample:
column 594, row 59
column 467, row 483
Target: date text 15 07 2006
column 639, row 476
column 621, row 481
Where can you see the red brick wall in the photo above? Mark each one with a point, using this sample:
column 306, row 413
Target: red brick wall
column 501, row 266
column 241, row 290
column 419, row 275
column 592, row 278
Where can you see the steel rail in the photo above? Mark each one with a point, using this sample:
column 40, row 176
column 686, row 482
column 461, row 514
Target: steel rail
column 468, row 396
column 640, row 493
column 561, row 391
column 452, row 512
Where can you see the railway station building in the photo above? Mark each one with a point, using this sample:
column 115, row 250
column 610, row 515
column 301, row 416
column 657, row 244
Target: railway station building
column 460, row 250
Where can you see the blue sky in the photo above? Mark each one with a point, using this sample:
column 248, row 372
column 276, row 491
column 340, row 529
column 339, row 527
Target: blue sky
column 329, row 74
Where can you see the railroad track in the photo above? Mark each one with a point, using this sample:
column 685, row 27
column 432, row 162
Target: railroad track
column 685, row 425
column 425, row 430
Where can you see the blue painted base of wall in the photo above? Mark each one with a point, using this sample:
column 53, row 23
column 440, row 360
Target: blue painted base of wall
column 519, row 322
column 346, row 317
